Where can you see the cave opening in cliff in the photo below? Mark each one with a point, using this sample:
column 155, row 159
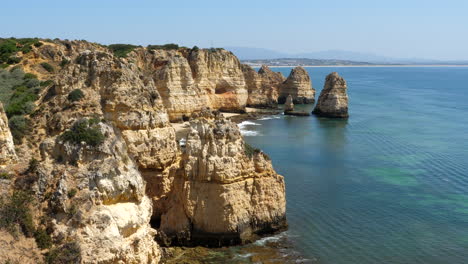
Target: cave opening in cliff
column 222, row 88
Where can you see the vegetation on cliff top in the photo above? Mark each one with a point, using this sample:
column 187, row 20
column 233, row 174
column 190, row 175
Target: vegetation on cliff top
column 9, row 47
column 121, row 50
column 170, row 46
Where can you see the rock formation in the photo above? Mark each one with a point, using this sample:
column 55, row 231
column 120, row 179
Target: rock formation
column 289, row 105
column 190, row 80
column 240, row 192
column 333, row 100
column 299, row 86
column 7, row 148
column 263, row 86
column 109, row 201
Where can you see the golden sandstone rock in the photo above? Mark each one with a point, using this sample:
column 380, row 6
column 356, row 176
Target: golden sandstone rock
column 333, row 100
column 209, row 192
column 7, row 150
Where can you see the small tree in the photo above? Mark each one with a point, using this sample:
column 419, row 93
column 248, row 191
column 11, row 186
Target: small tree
column 75, row 95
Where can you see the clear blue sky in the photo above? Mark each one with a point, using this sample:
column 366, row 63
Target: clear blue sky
column 436, row 29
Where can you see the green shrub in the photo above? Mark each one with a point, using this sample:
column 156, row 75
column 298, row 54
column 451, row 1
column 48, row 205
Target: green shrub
column 47, row 67
column 195, row 48
column 75, row 95
column 46, row 83
column 249, row 150
column 64, row 62
column 3, row 65
column 68, row 253
column 26, row 49
column 21, row 102
column 33, row 164
column 13, row 60
column 29, row 76
column 82, row 131
column 38, row 44
column 15, row 212
column 121, row 50
column 71, row 193
column 43, row 240
column 5, row 176
column 19, row 127
column 170, row 46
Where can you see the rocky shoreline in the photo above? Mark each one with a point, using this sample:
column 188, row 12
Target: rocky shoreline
column 125, row 151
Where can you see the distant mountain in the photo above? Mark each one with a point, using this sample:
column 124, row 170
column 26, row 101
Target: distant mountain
column 302, row 62
column 245, row 53
column 346, row 55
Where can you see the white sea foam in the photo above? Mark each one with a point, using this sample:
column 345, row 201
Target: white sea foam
column 269, row 117
column 248, row 255
column 275, row 238
column 245, row 131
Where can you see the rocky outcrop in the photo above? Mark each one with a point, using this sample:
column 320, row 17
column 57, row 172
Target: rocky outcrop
column 239, row 191
column 111, row 223
column 109, row 201
column 263, row 86
column 289, row 105
column 333, row 100
column 190, row 80
column 7, row 147
column 299, row 86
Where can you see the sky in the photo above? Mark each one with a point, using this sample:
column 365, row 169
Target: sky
column 431, row 29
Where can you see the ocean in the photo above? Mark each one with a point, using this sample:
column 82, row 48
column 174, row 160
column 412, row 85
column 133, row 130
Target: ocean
column 387, row 185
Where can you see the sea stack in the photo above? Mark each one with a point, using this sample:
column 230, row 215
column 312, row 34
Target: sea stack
column 333, row 100
column 299, row 86
column 289, row 105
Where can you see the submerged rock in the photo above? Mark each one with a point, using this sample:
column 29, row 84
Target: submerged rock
column 333, row 100
column 289, row 105
column 299, row 86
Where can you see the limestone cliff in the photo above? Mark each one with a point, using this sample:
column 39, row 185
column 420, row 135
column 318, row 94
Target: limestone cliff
column 299, row 86
column 242, row 195
column 263, row 86
column 7, row 148
column 109, row 174
column 333, row 100
column 190, row 80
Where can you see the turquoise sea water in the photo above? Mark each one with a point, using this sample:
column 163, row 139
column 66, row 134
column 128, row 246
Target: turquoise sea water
column 388, row 185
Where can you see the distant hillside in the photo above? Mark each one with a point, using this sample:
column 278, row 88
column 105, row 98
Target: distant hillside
column 250, row 54
column 303, row 62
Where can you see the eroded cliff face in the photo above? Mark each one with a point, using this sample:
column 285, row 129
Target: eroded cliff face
column 263, row 86
column 7, row 150
column 100, row 199
column 108, row 216
column 190, row 80
column 299, row 86
column 242, row 195
column 333, row 100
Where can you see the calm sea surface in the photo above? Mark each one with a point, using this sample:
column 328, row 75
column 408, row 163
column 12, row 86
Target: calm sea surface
column 388, row 185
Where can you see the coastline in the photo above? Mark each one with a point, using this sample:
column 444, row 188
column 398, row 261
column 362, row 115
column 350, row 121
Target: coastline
column 362, row 66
